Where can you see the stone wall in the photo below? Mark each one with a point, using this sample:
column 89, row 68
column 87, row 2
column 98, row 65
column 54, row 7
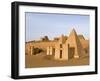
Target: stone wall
column 42, row 45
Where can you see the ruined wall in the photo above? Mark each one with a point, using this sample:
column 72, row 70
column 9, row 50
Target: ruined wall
column 42, row 45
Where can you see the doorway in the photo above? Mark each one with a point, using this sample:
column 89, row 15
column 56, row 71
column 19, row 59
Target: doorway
column 71, row 52
column 60, row 54
column 53, row 51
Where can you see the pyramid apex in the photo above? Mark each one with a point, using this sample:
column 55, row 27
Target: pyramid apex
column 73, row 33
column 73, row 30
column 62, row 35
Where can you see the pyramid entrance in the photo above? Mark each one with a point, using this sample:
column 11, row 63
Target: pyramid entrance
column 71, row 52
column 60, row 54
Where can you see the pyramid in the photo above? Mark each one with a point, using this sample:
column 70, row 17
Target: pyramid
column 81, row 37
column 62, row 39
column 74, row 41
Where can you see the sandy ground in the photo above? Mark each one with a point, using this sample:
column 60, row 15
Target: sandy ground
column 33, row 61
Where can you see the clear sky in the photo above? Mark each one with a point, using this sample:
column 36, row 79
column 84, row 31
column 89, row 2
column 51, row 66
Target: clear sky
column 54, row 25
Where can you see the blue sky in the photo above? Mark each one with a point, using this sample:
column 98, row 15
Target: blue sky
column 54, row 25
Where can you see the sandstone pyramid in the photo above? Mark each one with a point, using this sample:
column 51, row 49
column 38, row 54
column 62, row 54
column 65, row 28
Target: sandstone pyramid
column 73, row 41
column 62, row 39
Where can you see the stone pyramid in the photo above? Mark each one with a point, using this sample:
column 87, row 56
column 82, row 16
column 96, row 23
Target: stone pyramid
column 74, row 41
column 62, row 39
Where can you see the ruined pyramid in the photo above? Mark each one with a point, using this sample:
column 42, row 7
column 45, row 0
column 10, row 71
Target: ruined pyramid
column 73, row 41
